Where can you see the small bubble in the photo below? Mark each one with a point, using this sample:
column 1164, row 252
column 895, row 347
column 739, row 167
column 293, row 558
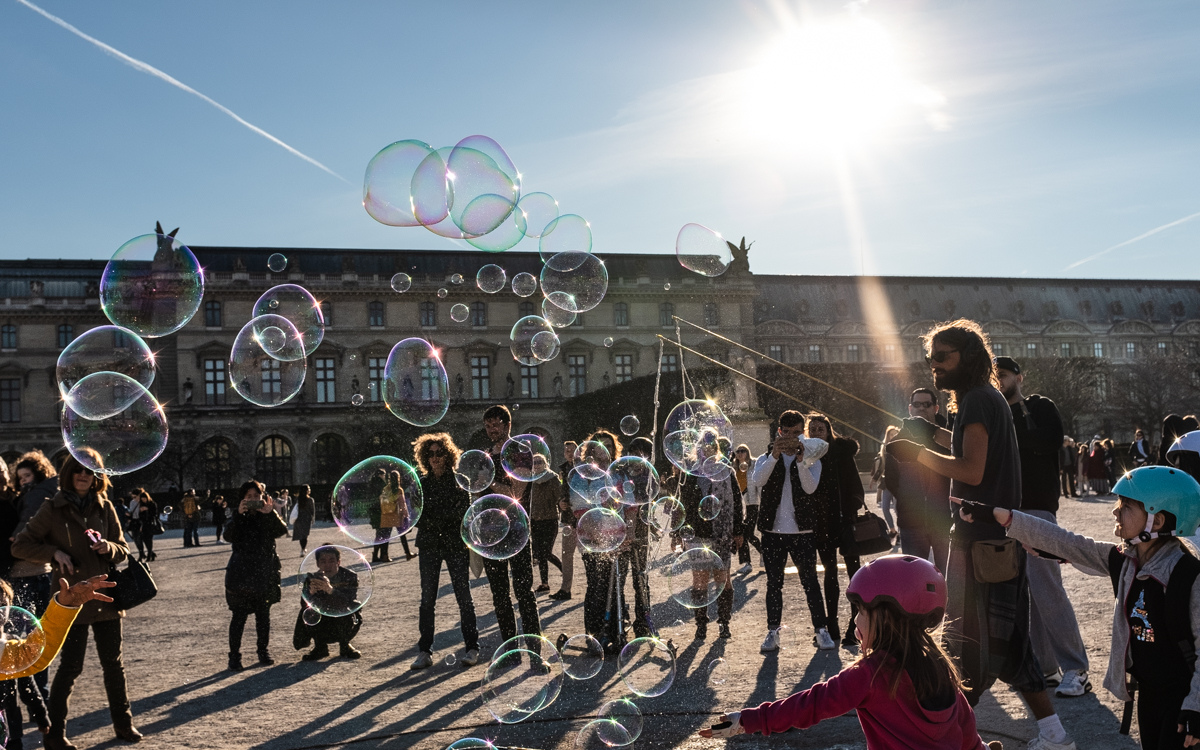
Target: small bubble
column 277, row 262
column 717, row 672
column 442, row 293
column 456, row 278
column 273, row 303
column 401, row 283
column 451, row 659
column 516, row 407
column 667, row 287
column 608, row 341
column 357, row 399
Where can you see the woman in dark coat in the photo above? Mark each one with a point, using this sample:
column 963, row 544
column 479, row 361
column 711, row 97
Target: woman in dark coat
column 252, row 581
column 148, row 517
column 306, row 510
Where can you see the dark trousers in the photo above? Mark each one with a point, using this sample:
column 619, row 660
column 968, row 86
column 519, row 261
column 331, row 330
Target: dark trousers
column 521, row 565
column 32, row 698
column 458, row 562
column 191, row 532
column 1158, row 716
column 750, row 540
column 137, row 540
column 148, row 542
column 262, row 628
column 542, row 535
column 833, row 593
column 634, row 560
column 108, row 648
column 220, row 528
column 775, row 550
column 924, row 527
column 1067, row 478
column 597, row 569
column 33, row 593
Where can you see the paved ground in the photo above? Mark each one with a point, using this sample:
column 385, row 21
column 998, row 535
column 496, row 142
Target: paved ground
column 175, row 653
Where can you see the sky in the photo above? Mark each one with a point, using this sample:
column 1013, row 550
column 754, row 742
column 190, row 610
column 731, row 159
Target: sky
column 989, row 138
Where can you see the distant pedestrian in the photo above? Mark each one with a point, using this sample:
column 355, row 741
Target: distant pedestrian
column 219, row 513
column 191, row 519
column 306, row 509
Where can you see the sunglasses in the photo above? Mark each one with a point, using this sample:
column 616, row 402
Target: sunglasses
column 921, row 404
column 939, row 357
column 87, row 472
column 436, row 452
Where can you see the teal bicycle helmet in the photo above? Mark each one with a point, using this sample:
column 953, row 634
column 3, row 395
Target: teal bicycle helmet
column 1160, row 488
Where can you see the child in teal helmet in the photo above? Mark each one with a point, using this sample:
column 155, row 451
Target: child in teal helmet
column 1155, row 627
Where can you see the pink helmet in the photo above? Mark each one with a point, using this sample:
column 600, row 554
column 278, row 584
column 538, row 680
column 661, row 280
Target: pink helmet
column 911, row 583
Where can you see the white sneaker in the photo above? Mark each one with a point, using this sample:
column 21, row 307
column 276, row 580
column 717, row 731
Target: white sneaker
column 745, row 569
column 1041, row 743
column 771, row 642
column 1074, row 684
column 424, row 660
column 825, row 641
column 471, row 658
column 1053, row 678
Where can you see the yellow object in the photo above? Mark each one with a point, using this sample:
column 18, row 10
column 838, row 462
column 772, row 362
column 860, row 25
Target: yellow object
column 56, row 623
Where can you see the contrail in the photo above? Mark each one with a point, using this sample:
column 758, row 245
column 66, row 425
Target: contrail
column 1140, row 237
column 147, row 68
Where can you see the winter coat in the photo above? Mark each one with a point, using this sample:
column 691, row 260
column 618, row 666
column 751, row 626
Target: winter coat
column 252, row 576
column 544, row 497
column 59, row 525
column 306, row 511
column 444, row 504
column 27, row 505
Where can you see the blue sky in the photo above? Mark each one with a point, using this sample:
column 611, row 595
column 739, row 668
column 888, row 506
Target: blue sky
column 995, row 138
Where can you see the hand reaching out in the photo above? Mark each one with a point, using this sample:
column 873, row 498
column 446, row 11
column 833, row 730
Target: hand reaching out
column 84, row 591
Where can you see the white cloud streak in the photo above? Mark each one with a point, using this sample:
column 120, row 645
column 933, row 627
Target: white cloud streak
column 153, row 71
column 1139, row 238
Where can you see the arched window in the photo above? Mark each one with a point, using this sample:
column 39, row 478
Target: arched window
column 216, row 457
column 330, row 458
column 375, row 314
column 273, row 462
column 666, row 315
column 66, row 334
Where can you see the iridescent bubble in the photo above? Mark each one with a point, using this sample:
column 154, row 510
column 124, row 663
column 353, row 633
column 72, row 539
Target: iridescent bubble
column 378, row 500
column 667, row 287
column 488, row 528
column 583, row 490
column 277, row 263
column 556, row 316
column 471, row 743
column 608, row 341
column 459, row 313
column 102, row 349
column 524, row 284
column 484, row 183
column 544, row 345
column 335, row 581
column 102, row 395
column 634, row 480
column 126, row 441
column 519, row 683
column 451, row 660
column 693, row 577
column 310, row 616
column 429, row 190
column 566, row 234
column 630, row 424
column 508, row 234
column 592, row 460
column 574, row 281
column 600, row 530
column 521, row 338
column 598, row 734
column 718, row 672
column 401, row 283
column 267, row 378
column 23, row 639
column 475, row 471
column 357, row 399
column 710, row 507
column 582, row 657
column 692, row 434
column 702, row 250
column 667, row 513
column 152, row 285
column 517, row 520
column 491, row 278
column 303, row 311
column 647, row 667
column 388, row 183
column 456, row 279
column 272, row 339
column 687, row 533
column 525, row 458
column 787, row 638
column 415, row 386
column 626, row 715
column 538, row 210
column 442, row 293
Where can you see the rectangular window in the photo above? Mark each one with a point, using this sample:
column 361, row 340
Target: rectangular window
column 775, row 352
column 814, row 353
column 212, row 314
column 66, row 334
column 479, row 314
column 666, row 315
column 998, row 349
column 1098, row 349
column 481, row 377
column 1031, row 350
column 272, row 378
column 529, row 381
column 1064, row 349
column 375, row 367
column 326, row 380
column 326, row 312
column 621, row 314
column 670, row 363
column 431, row 382
column 889, row 352
column 623, row 364
column 853, row 354
column 428, row 312
column 1130, row 350
column 10, row 399
column 712, row 314
column 8, row 336
column 214, row 382
column 1162, row 348
column 375, row 314
column 577, row 374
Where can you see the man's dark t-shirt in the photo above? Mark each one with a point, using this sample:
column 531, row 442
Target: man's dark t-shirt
column 1001, row 485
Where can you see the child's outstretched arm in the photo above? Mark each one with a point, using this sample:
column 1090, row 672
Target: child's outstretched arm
column 60, row 614
column 1085, row 553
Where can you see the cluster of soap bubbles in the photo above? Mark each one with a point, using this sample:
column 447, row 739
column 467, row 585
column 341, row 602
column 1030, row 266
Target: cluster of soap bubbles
column 495, row 527
column 698, row 439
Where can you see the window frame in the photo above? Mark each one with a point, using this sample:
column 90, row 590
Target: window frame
column 8, row 336
column 621, row 314
column 427, row 314
column 213, row 312
column 376, row 311
column 622, row 368
column 10, row 400
column 481, row 376
column 577, row 384
column 215, row 387
column 325, row 369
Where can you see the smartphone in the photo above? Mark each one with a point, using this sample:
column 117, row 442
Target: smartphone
column 255, row 504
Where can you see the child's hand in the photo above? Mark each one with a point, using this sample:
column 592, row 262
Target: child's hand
column 730, row 725
column 84, row 591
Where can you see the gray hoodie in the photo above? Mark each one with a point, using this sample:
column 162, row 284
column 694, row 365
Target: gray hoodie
column 1091, row 557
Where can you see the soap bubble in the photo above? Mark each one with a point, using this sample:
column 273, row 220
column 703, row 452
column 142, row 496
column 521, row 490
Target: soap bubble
column 710, row 507
column 600, row 530
column 585, row 490
column 484, row 184
column 401, row 283
column 667, row 513
column 524, row 284
column 443, row 293
column 102, row 395
column 102, row 349
column 667, row 287
column 592, row 459
column 537, row 211
column 691, row 433
column 335, row 581
column 300, row 308
column 267, row 378
column 456, row 279
column 634, row 479
column 516, row 519
column 277, row 263
column 23, row 639
column 565, row 234
column 509, row 233
column 451, row 660
column 471, row 743
column 599, row 734
column 556, row 316
column 522, row 681
column 522, row 342
column 647, row 667
column 429, row 190
column 630, row 424
column 544, row 345
column 378, row 500
column 787, row 638
column 608, row 341
column 388, row 183
column 687, row 533
column 626, row 715
column 357, row 399
column 692, row 577
column 702, row 250
column 525, row 458
column 415, row 386
column 574, row 281
column 718, row 672
column 152, row 285
column 126, row 441
column 582, row 657
column 491, row 278
column 475, row 471
column 310, row 616
column 488, row 528
column 459, row 313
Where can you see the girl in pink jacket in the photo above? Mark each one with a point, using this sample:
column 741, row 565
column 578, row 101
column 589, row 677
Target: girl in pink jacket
column 904, row 686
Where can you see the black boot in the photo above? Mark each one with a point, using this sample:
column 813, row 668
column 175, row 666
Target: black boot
column 701, row 623
column 235, row 662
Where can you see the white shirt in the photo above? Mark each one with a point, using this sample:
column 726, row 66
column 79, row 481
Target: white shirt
column 785, row 517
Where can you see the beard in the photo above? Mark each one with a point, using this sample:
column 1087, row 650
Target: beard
column 1009, row 392
column 950, row 380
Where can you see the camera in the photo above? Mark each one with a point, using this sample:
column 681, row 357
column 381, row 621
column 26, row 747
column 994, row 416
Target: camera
column 255, row 504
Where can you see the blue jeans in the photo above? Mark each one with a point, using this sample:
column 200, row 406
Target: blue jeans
column 191, row 532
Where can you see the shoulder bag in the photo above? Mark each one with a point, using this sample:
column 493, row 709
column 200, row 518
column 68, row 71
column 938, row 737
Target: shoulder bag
column 134, row 586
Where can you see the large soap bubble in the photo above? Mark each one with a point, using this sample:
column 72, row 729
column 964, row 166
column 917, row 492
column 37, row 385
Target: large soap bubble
column 582, row 657
column 152, row 285
column 524, row 677
column 590, row 491
column 335, row 581
column 533, row 338
column 415, row 386
column 538, row 210
column 592, row 459
column 23, row 640
column 475, row 471
column 102, row 395
column 556, row 316
column 600, row 530
column 525, row 458
column 565, row 234
column 489, row 515
column 126, row 441
column 102, row 349
column 692, row 433
column 262, row 377
column 300, row 308
column 387, row 185
column 491, row 278
column 378, row 500
column 710, row 507
column 702, row 250
column 485, row 185
column 667, row 513
column 624, row 713
column 471, row 743
column 601, row 734
column 429, row 190
column 524, row 284
column 574, row 281
column 692, row 577
column 647, row 667
column 509, row 233
column 634, row 480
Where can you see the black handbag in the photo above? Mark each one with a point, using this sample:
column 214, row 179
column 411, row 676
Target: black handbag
column 134, row 586
column 871, row 534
